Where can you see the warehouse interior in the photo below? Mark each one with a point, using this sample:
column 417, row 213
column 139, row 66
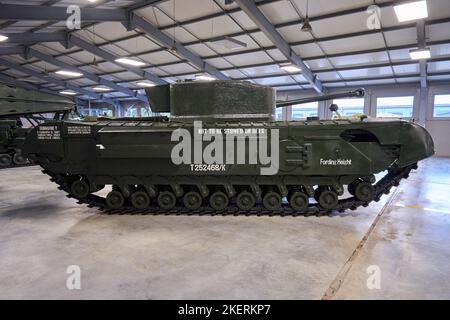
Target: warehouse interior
column 105, row 61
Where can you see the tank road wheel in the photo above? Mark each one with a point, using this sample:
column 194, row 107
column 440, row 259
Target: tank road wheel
column 166, row 200
column 5, row 160
column 352, row 187
column 272, row 201
column 364, row 191
column 192, row 200
column 140, row 200
column 299, row 201
column 79, row 189
column 115, row 200
column 19, row 159
column 245, row 200
column 218, row 200
column 328, row 199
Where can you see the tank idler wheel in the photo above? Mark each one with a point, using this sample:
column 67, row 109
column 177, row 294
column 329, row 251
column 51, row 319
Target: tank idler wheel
column 140, row 200
column 299, row 201
column 364, row 191
column 5, row 160
column 19, row 159
column 218, row 200
column 272, row 200
column 166, row 200
column 192, row 200
column 245, row 200
column 328, row 199
column 115, row 200
column 79, row 189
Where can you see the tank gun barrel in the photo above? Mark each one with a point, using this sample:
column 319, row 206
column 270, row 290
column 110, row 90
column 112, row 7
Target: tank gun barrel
column 349, row 94
column 20, row 102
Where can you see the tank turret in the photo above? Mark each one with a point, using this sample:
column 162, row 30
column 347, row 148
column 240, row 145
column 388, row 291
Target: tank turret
column 224, row 100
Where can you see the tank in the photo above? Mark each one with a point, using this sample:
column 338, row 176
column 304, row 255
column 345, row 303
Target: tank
column 16, row 105
column 221, row 151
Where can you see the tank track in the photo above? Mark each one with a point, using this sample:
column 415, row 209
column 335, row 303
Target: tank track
column 18, row 166
column 382, row 187
column 14, row 165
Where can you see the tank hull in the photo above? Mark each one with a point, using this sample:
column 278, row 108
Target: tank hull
column 311, row 156
column 211, row 156
column 305, row 148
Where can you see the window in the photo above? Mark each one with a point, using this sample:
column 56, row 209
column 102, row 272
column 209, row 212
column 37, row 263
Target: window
column 97, row 112
column 146, row 112
column 303, row 111
column 138, row 111
column 397, row 107
column 279, row 114
column 441, row 107
column 349, row 107
column 132, row 112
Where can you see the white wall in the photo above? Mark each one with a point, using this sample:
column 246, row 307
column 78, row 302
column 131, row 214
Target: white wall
column 423, row 108
column 439, row 128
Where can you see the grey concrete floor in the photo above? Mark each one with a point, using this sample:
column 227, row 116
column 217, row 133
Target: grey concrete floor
column 405, row 236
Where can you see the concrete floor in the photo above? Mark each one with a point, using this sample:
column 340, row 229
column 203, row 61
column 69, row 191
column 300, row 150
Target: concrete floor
column 406, row 236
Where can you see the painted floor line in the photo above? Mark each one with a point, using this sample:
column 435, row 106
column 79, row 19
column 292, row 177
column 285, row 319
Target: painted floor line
column 342, row 274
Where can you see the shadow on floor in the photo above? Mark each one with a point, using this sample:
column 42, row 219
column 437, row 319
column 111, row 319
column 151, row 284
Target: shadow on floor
column 33, row 211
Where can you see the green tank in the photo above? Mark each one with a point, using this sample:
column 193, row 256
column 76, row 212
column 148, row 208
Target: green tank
column 17, row 104
column 221, row 151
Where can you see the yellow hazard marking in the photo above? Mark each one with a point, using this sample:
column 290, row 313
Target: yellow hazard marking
column 413, row 206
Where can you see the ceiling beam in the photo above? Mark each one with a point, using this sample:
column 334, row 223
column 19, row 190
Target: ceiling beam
column 129, row 19
column 249, row 7
column 92, row 48
column 176, row 47
column 30, row 37
column 30, row 52
column 51, row 23
column 6, row 51
column 53, row 80
column 11, row 22
column 346, row 68
column 421, row 40
column 42, row 13
column 14, row 81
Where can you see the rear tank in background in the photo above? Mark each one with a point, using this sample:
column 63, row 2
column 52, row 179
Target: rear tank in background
column 18, row 105
column 222, row 151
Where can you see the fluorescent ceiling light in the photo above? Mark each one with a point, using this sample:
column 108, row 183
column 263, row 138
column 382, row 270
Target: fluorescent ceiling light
column 290, row 68
column 204, row 77
column 229, row 43
column 419, row 54
column 3, row 38
column 130, row 62
column 68, row 92
column 145, row 84
column 101, row 89
column 411, row 10
column 69, row 73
